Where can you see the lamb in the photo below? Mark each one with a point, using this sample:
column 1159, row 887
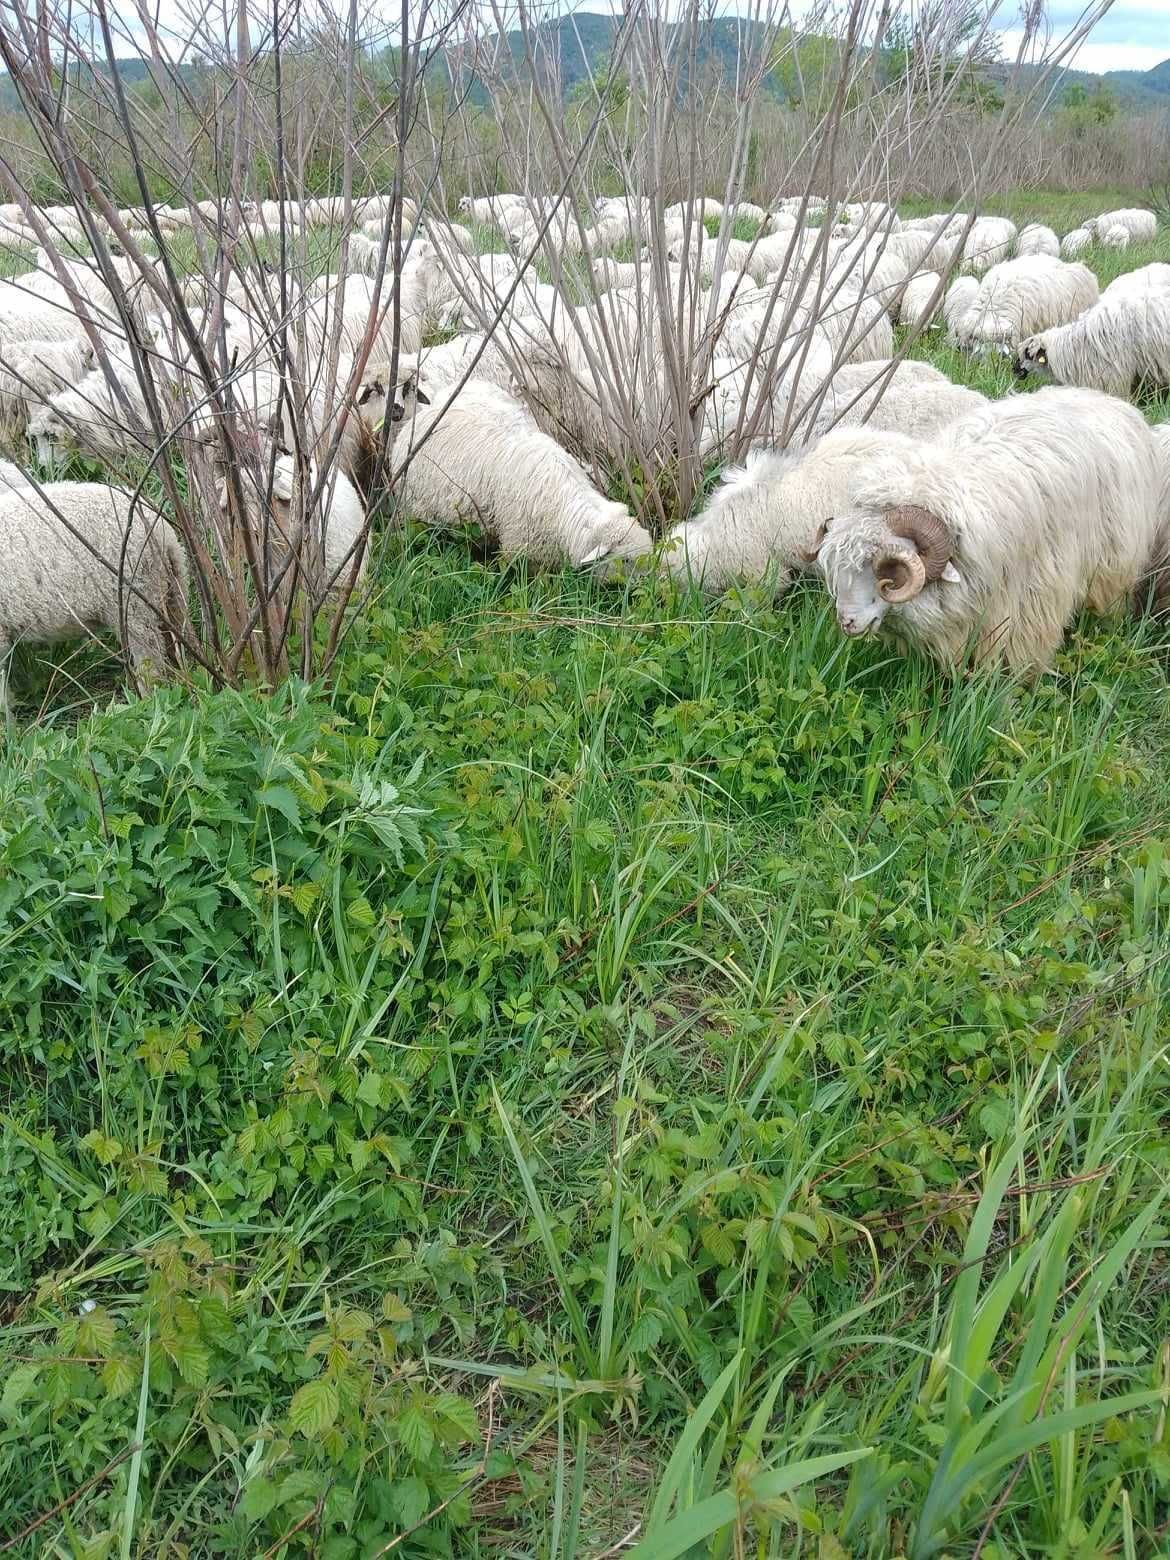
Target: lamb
column 993, row 534
column 1139, row 224
column 1036, row 239
column 1122, row 341
column 54, row 586
column 1017, row 298
column 1074, row 243
column 485, row 459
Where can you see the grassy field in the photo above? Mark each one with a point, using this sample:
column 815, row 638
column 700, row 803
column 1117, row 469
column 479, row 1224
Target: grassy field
column 615, row 1069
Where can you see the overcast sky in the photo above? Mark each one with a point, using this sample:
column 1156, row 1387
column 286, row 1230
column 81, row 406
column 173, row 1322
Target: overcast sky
column 1129, row 37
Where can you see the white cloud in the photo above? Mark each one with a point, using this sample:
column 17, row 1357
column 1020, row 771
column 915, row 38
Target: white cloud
column 1097, row 57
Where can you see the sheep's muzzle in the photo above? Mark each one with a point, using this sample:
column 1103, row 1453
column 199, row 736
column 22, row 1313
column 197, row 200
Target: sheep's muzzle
column 901, row 576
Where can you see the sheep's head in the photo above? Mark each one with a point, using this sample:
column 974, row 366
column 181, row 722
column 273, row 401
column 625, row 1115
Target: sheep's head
column 1032, row 358
column 49, row 434
column 874, row 562
column 613, row 537
column 376, row 405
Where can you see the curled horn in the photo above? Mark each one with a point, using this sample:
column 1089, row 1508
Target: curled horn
column 902, row 578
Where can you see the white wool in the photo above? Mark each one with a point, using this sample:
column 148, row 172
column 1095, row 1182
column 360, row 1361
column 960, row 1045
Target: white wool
column 1052, row 502
column 989, row 241
column 1116, row 237
column 1141, row 225
column 1074, row 243
column 53, row 587
column 764, row 517
column 1017, row 298
column 1146, row 279
column 31, row 371
column 921, row 299
column 482, row 457
column 912, row 406
column 1122, row 340
column 1036, row 239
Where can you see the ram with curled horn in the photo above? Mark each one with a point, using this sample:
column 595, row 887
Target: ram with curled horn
column 987, row 540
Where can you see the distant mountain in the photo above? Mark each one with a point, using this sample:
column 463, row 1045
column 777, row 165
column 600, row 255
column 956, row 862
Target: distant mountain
column 575, row 48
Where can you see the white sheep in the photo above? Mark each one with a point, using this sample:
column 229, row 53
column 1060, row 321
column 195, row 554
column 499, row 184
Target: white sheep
column 994, row 533
column 762, row 522
column 989, row 241
column 336, row 520
column 1116, row 237
column 482, row 457
column 1017, row 298
column 1140, row 224
column 1122, row 341
column 917, row 407
column 961, row 294
column 56, row 585
column 1076, row 242
column 1154, row 277
column 920, row 300
column 1036, row 239
column 32, row 371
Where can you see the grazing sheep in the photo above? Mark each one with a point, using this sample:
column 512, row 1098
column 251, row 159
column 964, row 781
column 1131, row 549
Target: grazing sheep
column 31, row 371
column 1140, row 283
column 917, row 407
column 1036, row 239
column 55, row 586
column 1017, row 298
column 1121, row 342
column 26, row 317
column 993, row 534
column 338, row 517
column 762, row 522
column 920, row 301
column 989, row 241
column 961, row 294
column 763, row 518
column 485, row 459
column 96, row 417
column 1139, row 224
column 1116, row 237
column 1080, row 239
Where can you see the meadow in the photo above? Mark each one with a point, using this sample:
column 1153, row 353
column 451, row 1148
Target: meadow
column 613, row 1071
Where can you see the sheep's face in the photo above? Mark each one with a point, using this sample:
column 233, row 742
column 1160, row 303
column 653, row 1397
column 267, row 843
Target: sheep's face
column 1032, row 358
column 864, row 564
column 49, row 435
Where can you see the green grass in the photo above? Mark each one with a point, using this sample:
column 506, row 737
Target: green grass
column 616, row 1066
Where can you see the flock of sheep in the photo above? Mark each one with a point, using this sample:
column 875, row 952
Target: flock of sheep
column 945, row 519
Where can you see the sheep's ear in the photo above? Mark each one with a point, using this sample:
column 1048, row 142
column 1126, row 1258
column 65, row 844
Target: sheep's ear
column 423, row 400
column 371, row 387
column 950, row 574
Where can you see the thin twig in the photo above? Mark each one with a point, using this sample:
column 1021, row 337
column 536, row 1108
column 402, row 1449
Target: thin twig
column 47, row 1516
